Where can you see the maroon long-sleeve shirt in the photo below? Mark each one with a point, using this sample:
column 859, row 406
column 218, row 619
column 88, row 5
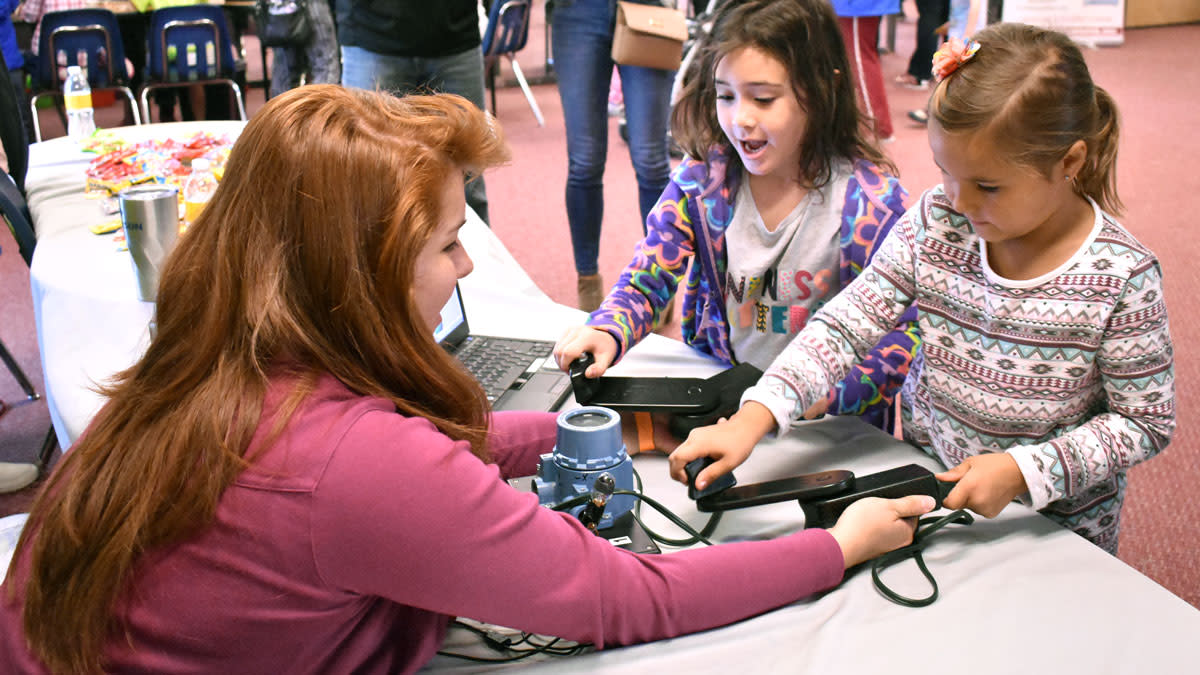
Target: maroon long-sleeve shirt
column 356, row 536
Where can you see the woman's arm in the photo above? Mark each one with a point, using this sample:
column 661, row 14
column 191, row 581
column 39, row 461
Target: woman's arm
column 404, row 513
column 516, row 439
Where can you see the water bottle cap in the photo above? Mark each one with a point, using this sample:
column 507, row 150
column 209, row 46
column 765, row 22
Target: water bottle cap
column 199, row 164
column 73, row 69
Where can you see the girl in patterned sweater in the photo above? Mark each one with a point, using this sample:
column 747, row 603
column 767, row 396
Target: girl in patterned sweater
column 1046, row 367
column 782, row 203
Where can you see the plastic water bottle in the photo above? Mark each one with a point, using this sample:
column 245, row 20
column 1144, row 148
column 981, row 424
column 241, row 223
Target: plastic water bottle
column 197, row 190
column 77, row 95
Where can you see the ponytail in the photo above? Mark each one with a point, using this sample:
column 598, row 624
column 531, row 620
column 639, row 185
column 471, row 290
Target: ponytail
column 1098, row 177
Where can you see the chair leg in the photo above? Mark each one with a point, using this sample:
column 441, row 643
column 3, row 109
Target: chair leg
column 146, row 104
column 491, row 84
column 237, row 94
column 37, row 124
column 49, row 445
column 19, row 374
column 537, row 112
column 133, row 106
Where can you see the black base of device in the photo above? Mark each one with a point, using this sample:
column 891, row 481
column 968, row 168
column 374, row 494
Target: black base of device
column 626, row 532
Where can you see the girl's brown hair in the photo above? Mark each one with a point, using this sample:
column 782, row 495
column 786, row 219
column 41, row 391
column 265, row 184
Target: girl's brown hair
column 1030, row 89
column 301, row 264
column 804, row 36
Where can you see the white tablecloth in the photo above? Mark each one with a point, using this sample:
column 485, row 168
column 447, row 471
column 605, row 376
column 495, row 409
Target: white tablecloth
column 1018, row 593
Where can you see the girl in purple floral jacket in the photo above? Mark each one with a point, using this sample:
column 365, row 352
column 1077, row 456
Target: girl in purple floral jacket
column 788, row 205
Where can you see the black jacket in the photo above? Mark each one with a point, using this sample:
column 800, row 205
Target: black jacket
column 428, row 28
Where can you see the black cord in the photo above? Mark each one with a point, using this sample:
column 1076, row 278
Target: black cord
column 914, row 551
column 701, row 536
column 705, row 532
column 520, row 654
column 681, row 523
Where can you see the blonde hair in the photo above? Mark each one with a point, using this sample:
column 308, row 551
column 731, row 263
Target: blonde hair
column 301, row 264
column 1030, row 89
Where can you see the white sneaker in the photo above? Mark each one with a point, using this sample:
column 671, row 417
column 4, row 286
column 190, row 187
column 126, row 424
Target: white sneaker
column 16, row 476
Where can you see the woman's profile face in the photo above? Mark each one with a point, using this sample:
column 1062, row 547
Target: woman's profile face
column 443, row 261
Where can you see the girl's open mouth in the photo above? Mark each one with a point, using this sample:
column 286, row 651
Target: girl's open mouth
column 751, row 147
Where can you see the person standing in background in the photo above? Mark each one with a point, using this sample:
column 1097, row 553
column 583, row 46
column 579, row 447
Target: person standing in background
column 931, row 15
column 405, row 46
column 963, row 19
column 14, row 63
column 318, row 60
column 32, row 11
column 582, row 35
column 859, row 20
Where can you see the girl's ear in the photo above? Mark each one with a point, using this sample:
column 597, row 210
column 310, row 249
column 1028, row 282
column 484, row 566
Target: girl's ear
column 1073, row 161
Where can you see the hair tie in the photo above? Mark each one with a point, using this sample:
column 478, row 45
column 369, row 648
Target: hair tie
column 951, row 56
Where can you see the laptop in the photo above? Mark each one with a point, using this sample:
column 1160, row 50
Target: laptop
column 516, row 374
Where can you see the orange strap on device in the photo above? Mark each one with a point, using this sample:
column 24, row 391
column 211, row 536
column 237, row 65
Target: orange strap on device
column 645, row 431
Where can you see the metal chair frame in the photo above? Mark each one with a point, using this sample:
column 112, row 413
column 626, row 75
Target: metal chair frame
column 15, row 210
column 217, row 63
column 499, row 41
column 112, row 80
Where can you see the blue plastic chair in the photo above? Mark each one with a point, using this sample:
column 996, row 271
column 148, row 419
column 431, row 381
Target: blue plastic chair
column 507, row 32
column 89, row 38
column 189, row 45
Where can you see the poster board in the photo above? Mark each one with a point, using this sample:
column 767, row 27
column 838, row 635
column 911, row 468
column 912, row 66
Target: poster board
column 1093, row 22
column 1139, row 13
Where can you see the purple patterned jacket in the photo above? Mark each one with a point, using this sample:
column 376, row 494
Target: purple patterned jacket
column 690, row 220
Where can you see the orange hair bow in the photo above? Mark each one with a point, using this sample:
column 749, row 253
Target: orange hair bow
column 951, row 56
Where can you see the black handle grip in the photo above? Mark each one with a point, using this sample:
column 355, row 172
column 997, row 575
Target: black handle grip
column 803, row 487
column 911, row 479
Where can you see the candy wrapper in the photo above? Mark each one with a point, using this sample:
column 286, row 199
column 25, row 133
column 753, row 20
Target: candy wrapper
column 122, row 164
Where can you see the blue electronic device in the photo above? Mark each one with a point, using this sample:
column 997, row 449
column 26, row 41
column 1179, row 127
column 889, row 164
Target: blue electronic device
column 589, row 459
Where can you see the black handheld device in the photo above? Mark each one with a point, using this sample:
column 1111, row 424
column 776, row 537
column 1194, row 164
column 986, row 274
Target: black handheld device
column 824, row 496
column 693, row 469
column 802, row 487
column 729, row 385
column 911, row 479
column 648, row 394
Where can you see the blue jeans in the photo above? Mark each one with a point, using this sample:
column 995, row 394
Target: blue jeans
column 582, row 44
column 460, row 74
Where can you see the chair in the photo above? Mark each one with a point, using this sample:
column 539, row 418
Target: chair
column 16, row 212
column 507, row 32
column 89, row 38
column 189, row 45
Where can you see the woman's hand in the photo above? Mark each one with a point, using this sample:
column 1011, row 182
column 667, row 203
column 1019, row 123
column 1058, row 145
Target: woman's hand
column 730, row 442
column 580, row 339
column 872, row 526
column 985, row 483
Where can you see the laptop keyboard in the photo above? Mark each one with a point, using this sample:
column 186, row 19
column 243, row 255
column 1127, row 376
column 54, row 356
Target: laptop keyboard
column 498, row 362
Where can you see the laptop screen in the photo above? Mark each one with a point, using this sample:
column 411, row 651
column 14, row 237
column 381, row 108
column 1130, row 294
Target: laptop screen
column 453, row 318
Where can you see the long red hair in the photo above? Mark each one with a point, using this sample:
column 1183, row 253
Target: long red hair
column 304, row 260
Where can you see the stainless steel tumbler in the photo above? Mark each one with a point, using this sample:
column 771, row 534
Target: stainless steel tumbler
column 150, row 218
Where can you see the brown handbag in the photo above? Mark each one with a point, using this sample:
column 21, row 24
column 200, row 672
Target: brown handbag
column 651, row 36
